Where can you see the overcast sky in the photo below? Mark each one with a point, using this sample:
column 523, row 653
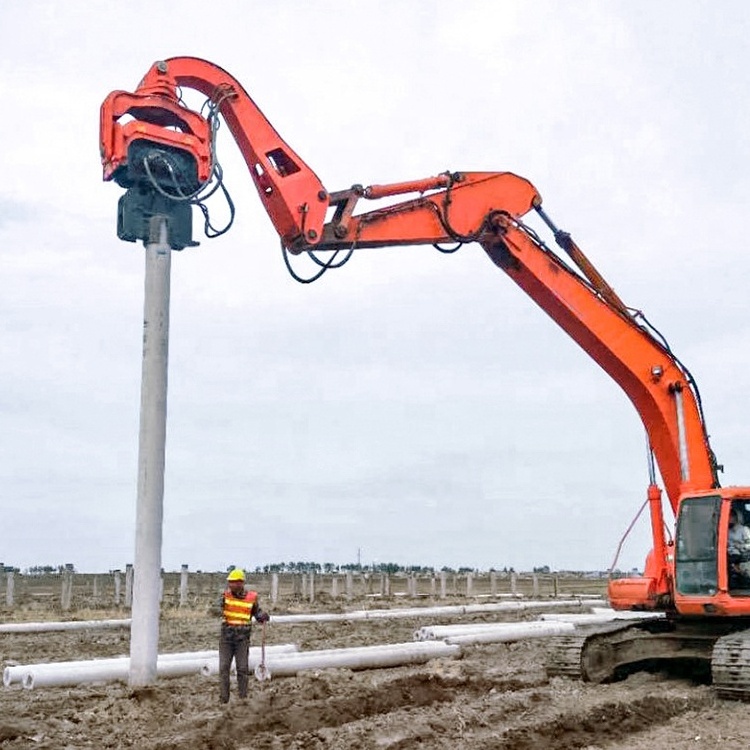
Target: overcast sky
column 411, row 407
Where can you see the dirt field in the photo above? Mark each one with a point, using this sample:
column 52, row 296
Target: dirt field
column 495, row 696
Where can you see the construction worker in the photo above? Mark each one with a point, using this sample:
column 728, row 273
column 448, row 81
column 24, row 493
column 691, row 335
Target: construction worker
column 237, row 606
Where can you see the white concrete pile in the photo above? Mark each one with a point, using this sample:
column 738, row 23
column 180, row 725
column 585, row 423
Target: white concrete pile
column 546, row 625
column 364, row 657
column 491, row 632
column 598, row 615
column 69, row 673
column 44, row 627
column 442, row 611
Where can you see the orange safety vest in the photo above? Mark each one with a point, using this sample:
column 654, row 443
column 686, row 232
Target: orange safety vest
column 239, row 611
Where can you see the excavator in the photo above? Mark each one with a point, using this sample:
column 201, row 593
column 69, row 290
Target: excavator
column 693, row 594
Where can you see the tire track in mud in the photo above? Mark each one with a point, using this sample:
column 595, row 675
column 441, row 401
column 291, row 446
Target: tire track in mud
column 428, row 710
column 280, row 716
column 604, row 722
column 284, row 713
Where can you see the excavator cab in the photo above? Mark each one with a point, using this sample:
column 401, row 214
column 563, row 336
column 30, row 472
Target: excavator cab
column 697, row 545
column 712, row 554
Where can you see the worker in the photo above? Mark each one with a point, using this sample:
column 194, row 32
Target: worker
column 238, row 606
column 738, row 547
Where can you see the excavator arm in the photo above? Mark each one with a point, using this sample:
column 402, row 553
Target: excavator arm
column 294, row 197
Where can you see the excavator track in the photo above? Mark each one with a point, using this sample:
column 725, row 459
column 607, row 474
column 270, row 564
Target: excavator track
column 564, row 656
column 730, row 666
column 587, row 654
column 602, row 653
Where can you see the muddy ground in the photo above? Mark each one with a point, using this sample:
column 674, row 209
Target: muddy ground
column 495, row 697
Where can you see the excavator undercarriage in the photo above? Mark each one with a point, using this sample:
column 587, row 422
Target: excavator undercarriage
column 715, row 650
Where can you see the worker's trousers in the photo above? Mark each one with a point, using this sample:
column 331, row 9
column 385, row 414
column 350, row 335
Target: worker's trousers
column 233, row 644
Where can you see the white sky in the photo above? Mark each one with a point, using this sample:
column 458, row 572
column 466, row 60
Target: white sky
column 412, row 407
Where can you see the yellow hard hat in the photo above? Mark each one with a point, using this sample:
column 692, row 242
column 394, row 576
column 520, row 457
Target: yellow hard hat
column 236, row 574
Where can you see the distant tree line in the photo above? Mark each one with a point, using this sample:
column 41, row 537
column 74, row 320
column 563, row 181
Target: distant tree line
column 329, row 568
column 45, row 570
column 388, row 567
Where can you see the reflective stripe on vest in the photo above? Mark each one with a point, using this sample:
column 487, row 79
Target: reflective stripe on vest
column 239, row 611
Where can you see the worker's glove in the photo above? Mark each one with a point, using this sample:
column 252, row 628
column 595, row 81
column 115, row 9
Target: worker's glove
column 262, row 617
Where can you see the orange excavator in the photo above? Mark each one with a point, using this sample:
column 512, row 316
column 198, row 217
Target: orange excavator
column 164, row 155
